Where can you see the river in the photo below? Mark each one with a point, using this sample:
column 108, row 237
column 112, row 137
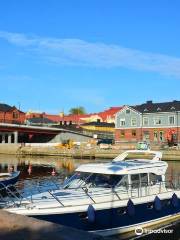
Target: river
column 39, row 171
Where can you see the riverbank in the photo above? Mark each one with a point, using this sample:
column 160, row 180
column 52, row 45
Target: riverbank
column 76, row 153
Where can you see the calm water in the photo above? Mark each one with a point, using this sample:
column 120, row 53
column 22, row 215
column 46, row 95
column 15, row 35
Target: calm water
column 38, row 171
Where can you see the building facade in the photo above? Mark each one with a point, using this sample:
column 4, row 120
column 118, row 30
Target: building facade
column 151, row 122
column 10, row 114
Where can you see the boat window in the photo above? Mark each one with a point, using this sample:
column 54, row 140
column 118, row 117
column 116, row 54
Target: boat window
column 123, row 182
column 153, row 178
column 103, row 180
column 77, row 180
column 144, row 179
column 92, row 180
column 135, row 180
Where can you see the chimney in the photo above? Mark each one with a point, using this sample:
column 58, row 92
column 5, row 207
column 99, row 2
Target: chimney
column 149, row 102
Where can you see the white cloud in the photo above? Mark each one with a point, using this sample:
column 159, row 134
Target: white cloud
column 82, row 53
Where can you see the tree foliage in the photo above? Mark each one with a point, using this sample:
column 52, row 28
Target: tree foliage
column 77, row 110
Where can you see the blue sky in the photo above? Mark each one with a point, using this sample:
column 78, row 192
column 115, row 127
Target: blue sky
column 55, row 55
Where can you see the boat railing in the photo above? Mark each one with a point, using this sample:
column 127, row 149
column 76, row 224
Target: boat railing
column 130, row 191
column 56, row 198
column 95, row 194
column 144, row 189
column 11, row 195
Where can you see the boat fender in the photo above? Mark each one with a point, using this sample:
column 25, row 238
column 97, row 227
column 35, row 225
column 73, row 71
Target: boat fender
column 130, row 208
column 175, row 200
column 91, row 214
column 157, row 203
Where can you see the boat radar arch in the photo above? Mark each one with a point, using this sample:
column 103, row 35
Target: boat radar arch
column 122, row 157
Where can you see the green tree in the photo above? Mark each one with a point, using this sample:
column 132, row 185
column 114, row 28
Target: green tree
column 77, row 110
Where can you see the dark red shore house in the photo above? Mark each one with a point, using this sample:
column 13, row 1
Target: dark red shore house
column 10, row 114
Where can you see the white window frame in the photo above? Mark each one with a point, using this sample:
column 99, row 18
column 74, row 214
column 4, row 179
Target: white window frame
column 122, row 120
column 169, row 119
column 134, row 118
column 155, row 123
column 144, row 121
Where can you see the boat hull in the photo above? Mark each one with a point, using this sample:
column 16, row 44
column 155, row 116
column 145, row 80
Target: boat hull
column 11, row 180
column 144, row 225
column 115, row 220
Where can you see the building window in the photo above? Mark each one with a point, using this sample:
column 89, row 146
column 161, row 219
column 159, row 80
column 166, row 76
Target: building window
column 127, row 111
column 155, row 136
column 145, row 121
column 171, row 120
column 122, row 134
column 161, row 136
column 157, row 121
column 122, row 122
column 134, row 133
column 146, row 135
column 15, row 115
column 133, row 121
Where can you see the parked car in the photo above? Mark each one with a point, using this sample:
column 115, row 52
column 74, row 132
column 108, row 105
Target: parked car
column 105, row 141
column 143, row 146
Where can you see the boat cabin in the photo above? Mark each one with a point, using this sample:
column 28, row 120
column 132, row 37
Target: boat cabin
column 119, row 173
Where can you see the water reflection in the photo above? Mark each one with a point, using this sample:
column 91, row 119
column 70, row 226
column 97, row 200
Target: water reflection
column 42, row 167
column 39, row 171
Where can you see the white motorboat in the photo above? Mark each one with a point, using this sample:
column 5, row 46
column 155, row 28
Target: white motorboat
column 109, row 198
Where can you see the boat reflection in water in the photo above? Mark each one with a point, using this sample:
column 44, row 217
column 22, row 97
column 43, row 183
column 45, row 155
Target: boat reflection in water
column 107, row 198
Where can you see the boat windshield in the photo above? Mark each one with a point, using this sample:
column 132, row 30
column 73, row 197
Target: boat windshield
column 81, row 179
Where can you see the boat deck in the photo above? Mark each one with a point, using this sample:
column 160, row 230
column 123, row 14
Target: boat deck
column 81, row 198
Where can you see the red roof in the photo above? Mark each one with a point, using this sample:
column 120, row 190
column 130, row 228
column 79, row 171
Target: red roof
column 55, row 118
column 75, row 118
column 78, row 118
column 109, row 113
